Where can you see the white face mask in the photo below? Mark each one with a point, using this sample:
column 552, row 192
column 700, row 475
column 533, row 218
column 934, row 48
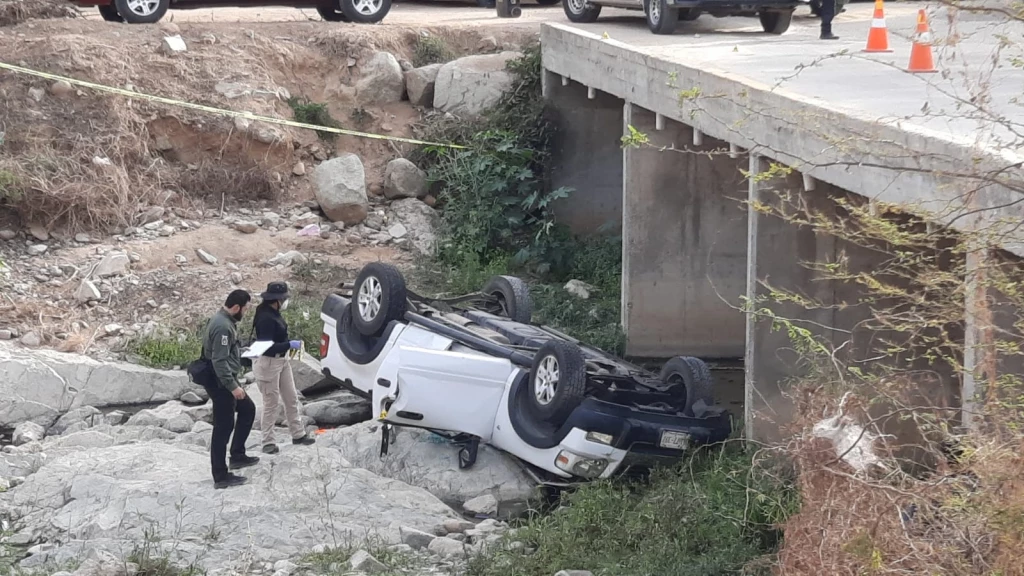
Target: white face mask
column 284, row 305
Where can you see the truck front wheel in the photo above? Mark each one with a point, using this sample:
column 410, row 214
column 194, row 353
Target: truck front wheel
column 580, row 11
column 661, row 18
column 776, row 22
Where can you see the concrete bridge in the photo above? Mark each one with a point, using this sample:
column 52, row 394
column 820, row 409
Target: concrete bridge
column 852, row 127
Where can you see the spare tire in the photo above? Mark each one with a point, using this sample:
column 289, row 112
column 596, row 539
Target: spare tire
column 379, row 297
column 558, row 381
column 690, row 381
column 513, row 296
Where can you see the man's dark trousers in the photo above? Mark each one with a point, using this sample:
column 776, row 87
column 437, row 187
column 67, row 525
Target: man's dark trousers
column 224, row 408
column 828, row 12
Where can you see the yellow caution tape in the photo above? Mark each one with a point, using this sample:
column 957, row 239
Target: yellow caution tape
column 221, row 111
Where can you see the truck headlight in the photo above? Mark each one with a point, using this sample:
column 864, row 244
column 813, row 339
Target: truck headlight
column 600, row 438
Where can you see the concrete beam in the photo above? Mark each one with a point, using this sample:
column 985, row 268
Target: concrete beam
column 895, row 163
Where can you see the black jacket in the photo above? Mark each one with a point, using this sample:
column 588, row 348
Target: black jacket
column 269, row 325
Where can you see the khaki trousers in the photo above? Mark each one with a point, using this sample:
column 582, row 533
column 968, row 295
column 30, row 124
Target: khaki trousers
column 274, row 379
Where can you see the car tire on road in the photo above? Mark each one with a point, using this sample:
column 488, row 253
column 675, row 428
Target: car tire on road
column 109, row 13
column 514, row 297
column 661, row 18
column 331, row 14
column 142, row 11
column 558, row 381
column 580, row 12
column 365, row 11
column 776, row 22
column 691, row 378
column 379, row 297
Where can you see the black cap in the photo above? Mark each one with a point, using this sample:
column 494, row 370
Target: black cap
column 275, row 291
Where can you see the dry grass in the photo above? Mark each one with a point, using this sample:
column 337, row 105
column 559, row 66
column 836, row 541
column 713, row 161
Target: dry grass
column 213, row 182
column 14, row 12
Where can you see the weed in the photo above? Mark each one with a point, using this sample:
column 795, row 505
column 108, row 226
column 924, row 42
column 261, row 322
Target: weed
column 360, row 116
column 167, row 351
column 10, row 187
column 431, row 50
column 151, row 562
column 714, row 514
column 304, row 323
column 314, row 113
column 215, row 181
column 335, row 561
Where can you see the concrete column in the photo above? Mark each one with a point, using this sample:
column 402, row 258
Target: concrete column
column 684, row 244
column 587, row 156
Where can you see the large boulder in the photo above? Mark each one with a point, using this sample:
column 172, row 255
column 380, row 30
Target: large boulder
column 41, row 385
column 402, row 179
column 382, row 81
column 79, row 418
column 338, row 409
column 306, row 372
column 341, row 189
column 469, row 86
column 419, row 84
column 421, row 222
column 431, row 462
column 111, row 498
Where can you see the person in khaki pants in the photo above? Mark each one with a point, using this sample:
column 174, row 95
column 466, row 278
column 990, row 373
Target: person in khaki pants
column 272, row 370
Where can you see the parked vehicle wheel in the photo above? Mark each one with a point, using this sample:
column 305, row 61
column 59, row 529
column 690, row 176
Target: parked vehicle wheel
column 331, row 14
column 379, row 298
column 558, row 381
column 689, row 14
column 661, row 18
column 513, row 296
column 109, row 13
column 690, row 379
column 580, row 11
column 776, row 22
column 142, row 11
column 365, row 11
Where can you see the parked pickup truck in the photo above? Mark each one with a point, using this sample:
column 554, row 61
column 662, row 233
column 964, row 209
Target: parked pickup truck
column 150, row 11
column 475, row 369
column 664, row 15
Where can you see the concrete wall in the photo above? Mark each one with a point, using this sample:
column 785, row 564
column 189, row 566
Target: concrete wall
column 587, row 154
column 684, row 244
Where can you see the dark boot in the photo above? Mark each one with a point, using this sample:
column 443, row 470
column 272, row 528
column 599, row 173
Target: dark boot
column 229, row 481
column 271, row 449
column 242, row 462
column 304, row 441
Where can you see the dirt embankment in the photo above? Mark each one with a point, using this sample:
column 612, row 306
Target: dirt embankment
column 85, row 173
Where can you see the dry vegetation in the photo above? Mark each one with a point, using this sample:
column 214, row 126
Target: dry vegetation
column 17, row 11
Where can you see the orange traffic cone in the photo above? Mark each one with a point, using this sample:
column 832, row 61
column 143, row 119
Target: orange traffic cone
column 921, row 52
column 878, row 36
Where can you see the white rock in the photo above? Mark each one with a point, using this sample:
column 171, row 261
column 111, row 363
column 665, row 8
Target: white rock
column 470, row 86
column 246, row 227
column 288, row 259
column 421, row 221
column 173, row 45
column 27, row 432
column 341, row 189
column 179, row 424
column 299, row 169
column 447, row 548
column 88, row 415
column 37, row 94
column 206, row 256
column 32, row 340
column 112, row 264
column 397, row 230
column 579, row 289
column 416, row 539
column 419, row 83
column 37, row 249
column 382, row 81
column 87, row 292
column 402, row 179
column 485, row 504
column 113, row 329
column 363, row 561
column 152, row 483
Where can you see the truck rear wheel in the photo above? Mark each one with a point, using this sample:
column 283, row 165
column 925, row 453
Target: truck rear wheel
column 142, row 11
column 776, row 22
column 109, row 13
column 331, row 14
column 558, row 381
column 580, row 11
column 661, row 18
column 513, row 297
column 379, row 297
column 689, row 380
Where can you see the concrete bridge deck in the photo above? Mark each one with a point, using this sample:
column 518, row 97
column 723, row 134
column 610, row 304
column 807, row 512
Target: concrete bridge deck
column 944, row 146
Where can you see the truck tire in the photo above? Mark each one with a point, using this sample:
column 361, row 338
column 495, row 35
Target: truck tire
column 580, row 12
column 142, row 11
column 109, row 13
column 558, row 381
column 331, row 14
column 690, row 380
column 776, row 22
column 365, row 11
column 379, row 297
column 661, row 18
column 513, row 296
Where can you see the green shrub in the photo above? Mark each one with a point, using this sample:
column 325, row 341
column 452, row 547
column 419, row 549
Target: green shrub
column 314, row 113
column 167, row 351
column 431, row 50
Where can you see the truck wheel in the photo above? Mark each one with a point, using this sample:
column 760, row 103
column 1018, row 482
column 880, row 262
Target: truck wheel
column 365, row 11
column 580, row 11
column 379, row 298
column 558, row 381
column 776, row 22
column 330, row 14
column 661, row 18
column 513, row 296
column 109, row 13
column 690, row 380
column 142, row 11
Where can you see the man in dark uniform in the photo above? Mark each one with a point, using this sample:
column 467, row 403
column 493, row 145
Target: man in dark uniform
column 828, row 12
column 222, row 348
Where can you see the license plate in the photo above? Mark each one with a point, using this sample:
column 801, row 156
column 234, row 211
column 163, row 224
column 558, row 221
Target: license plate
column 674, row 440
